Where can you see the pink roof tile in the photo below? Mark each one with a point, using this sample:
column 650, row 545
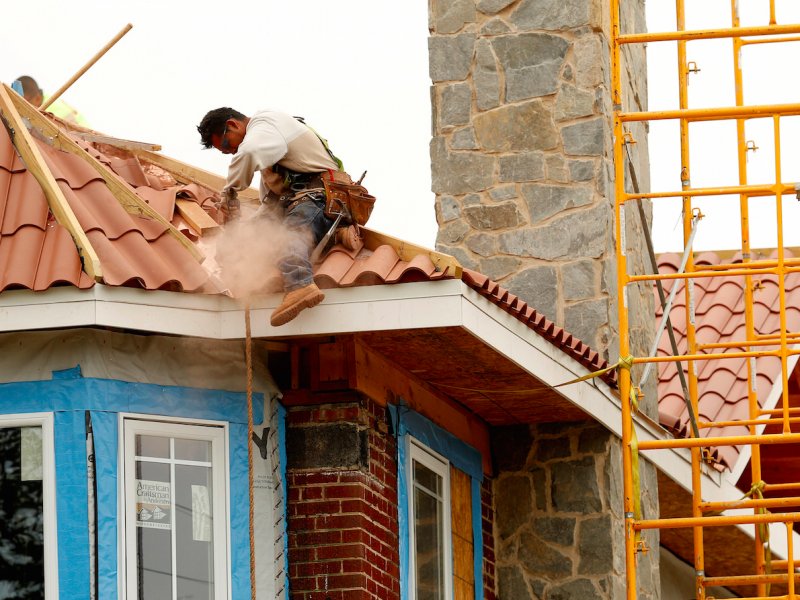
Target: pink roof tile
column 722, row 384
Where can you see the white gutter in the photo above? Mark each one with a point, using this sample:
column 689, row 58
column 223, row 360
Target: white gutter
column 449, row 303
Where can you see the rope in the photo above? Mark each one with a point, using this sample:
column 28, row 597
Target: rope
column 248, row 353
column 625, row 362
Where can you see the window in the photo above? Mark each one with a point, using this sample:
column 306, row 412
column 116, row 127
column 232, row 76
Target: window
column 27, row 509
column 175, row 511
column 429, row 520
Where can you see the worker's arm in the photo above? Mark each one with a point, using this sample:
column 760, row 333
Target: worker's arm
column 261, row 148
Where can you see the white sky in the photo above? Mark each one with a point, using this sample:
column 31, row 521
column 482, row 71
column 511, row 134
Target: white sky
column 358, row 72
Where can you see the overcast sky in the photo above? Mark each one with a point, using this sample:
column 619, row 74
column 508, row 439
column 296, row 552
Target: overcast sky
column 358, row 72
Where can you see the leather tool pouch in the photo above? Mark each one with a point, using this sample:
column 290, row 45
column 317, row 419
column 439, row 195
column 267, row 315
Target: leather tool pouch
column 344, row 196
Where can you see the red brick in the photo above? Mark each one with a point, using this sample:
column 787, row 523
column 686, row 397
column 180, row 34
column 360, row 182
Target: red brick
column 340, row 551
column 345, row 491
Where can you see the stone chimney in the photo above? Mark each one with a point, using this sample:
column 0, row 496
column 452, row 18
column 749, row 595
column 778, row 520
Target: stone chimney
column 522, row 155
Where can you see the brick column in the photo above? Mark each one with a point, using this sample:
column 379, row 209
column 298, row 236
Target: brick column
column 342, row 492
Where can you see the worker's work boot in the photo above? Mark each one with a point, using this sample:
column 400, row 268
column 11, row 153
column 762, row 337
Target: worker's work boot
column 349, row 237
column 295, row 301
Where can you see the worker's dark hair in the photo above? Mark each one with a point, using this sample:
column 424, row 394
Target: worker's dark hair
column 214, row 123
column 29, row 86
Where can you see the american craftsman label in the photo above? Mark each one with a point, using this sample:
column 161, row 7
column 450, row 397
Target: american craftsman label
column 153, row 504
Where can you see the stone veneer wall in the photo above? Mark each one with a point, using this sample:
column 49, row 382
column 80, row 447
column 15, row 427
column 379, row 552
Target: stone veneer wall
column 522, row 155
column 559, row 520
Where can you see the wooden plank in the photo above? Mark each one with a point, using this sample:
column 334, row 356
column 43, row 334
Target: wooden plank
column 36, row 165
column 196, row 217
column 189, row 174
column 461, row 504
column 407, row 251
column 121, row 190
column 385, row 381
column 131, row 145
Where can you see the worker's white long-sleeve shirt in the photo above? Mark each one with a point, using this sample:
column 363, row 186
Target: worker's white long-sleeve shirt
column 271, row 138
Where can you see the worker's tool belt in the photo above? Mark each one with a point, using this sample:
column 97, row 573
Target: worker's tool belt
column 301, row 187
column 342, row 196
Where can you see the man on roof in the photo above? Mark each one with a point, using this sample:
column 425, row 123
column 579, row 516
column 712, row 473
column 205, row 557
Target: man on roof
column 292, row 160
column 26, row 86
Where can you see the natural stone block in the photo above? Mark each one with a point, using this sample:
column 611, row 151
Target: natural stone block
column 447, row 209
column 464, row 139
column 471, row 200
column 552, row 14
column 595, row 546
column 581, row 170
column 575, row 486
column 531, row 62
column 461, row 172
column 455, row 105
column 544, row 561
column 584, row 138
column 577, row 589
column 499, row 267
column 556, row 530
column 548, row 449
column 516, row 128
column 452, row 233
column 495, row 216
column 577, row 234
column 495, row 26
column 511, row 584
column 537, row 287
column 540, row 488
column 485, row 77
column 522, row 167
column 544, row 200
column 590, row 60
column 450, row 56
column 483, row 244
column 584, row 319
column 449, row 16
column 572, row 103
column 556, row 168
column 579, row 280
column 463, row 257
column 490, row 7
column 510, row 446
column 538, row 586
column 503, row 192
column 513, row 504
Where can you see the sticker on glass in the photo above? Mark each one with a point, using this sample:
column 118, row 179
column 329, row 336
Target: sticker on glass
column 153, row 504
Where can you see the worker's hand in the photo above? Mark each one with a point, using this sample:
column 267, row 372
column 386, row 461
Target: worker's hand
column 229, row 205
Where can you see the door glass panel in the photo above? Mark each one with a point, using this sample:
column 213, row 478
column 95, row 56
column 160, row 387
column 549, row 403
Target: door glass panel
column 428, row 534
column 194, row 533
column 199, row 450
column 151, row 445
column 174, row 515
column 21, row 513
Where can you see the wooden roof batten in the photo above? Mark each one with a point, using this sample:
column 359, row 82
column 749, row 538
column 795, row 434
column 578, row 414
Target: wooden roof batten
column 36, row 165
column 126, row 197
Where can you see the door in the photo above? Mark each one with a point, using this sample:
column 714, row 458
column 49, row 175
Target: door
column 175, row 499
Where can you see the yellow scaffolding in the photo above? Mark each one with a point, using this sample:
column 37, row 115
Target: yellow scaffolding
column 705, row 514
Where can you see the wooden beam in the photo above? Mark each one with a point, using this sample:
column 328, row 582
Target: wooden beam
column 196, row 217
column 407, row 251
column 120, row 189
column 385, row 381
column 189, row 174
column 130, row 145
column 36, row 165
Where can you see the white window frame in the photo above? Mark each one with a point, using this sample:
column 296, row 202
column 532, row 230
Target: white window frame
column 417, row 451
column 50, row 522
column 131, row 424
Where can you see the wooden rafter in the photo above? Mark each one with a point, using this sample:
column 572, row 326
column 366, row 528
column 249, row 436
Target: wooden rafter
column 36, row 165
column 130, row 145
column 407, row 251
column 119, row 188
column 189, row 174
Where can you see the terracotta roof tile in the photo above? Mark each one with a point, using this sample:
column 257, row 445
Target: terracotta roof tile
column 722, row 384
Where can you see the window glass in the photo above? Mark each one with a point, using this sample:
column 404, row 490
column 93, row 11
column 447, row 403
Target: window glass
column 153, row 446
column 21, row 513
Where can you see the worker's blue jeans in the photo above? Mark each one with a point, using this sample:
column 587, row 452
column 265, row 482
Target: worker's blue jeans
column 295, row 266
